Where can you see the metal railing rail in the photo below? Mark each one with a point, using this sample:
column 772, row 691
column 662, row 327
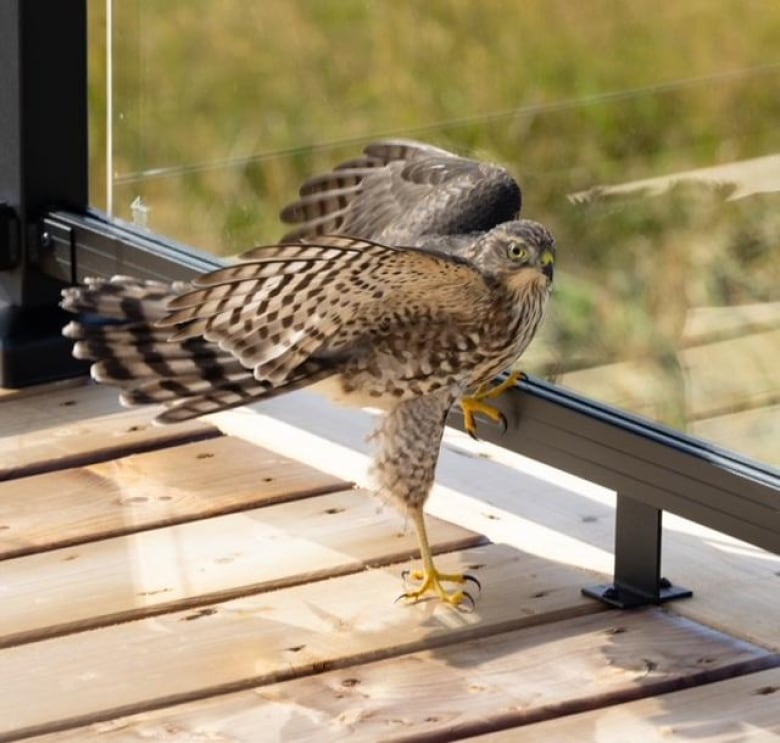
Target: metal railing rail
column 652, row 469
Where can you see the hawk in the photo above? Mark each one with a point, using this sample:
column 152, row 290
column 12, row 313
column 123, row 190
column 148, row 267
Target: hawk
column 407, row 283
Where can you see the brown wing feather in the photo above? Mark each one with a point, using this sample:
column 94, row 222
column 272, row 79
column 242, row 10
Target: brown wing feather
column 400, row 191
column 276, row 330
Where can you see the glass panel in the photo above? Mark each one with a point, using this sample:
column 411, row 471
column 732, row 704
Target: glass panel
column 645, row 135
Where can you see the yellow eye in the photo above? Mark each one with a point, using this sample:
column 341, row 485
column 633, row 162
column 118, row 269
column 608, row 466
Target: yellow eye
column 518, row 252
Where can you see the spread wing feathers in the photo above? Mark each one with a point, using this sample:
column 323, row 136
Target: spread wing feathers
column 190, row 377
column 399, row 191
column 407, row 446
column 203, row 399
column 330, row 303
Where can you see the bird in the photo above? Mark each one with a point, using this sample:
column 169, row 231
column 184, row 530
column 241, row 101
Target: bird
column 404, row 192
column 407, row 322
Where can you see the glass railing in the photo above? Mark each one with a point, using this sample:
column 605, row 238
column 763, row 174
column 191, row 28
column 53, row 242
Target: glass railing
column 645, row 136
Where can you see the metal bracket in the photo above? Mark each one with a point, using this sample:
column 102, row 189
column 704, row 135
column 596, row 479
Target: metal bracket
column 57, row 250
column 10, row 250
column 638, row 580
column 32, row 349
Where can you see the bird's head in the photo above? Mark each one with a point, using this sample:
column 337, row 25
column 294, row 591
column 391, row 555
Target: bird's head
column 517, row 253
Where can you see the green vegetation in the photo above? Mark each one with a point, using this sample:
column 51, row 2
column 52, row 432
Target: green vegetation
column 221, row 108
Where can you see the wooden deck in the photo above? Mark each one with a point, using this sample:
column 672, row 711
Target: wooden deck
column 186, row 584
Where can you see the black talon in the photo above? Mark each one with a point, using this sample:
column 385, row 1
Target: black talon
column 467, row 595
column 474, row 580
column 474, row 435
column 407, row 576
column 504, row 425
column 402, row 596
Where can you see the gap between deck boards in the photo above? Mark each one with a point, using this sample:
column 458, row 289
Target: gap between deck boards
column 266, row 638
column 743, row 708
column 111, row 595
column 474, row 683
column 139, row 492
column 107, row 454
column 68, row 427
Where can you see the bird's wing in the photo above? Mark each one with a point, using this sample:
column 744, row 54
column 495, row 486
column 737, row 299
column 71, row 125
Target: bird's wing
column 399, row 191
column 286, row 304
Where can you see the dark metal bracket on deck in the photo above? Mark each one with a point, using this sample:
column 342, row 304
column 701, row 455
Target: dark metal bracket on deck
column 637, row 579
column 651, row 468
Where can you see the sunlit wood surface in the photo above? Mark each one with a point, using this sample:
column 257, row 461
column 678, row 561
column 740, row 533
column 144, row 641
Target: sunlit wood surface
column 186, row 585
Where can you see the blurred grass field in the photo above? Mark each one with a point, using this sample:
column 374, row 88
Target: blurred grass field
column 222, row 107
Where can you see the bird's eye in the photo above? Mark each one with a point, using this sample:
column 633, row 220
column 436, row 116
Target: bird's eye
column 518, row 252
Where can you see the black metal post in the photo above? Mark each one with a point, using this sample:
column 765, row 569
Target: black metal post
column 637, row 579
column 43, row 165
column 662, row 469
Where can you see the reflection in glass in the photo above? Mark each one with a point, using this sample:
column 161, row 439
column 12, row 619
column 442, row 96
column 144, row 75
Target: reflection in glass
column 645, row 137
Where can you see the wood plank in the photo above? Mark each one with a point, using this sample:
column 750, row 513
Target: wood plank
column 746, row 708
column 707, row 324
column 153, row 489
column 268, row 637
column 156, row 570
column 15, row 393
column 72, row 426
column 445, row 692
column 757, row 175
column 632, row 385
column 754, row 433
column 731, row 375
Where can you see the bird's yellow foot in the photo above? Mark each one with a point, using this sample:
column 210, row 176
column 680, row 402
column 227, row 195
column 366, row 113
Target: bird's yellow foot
column 431, row 586
column 474, row 404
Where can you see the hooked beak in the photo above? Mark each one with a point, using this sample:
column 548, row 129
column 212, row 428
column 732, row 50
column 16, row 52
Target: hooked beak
column 547, row 261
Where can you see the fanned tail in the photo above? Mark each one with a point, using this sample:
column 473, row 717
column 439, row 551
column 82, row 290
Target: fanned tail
column 190, row 377
column 122, row 298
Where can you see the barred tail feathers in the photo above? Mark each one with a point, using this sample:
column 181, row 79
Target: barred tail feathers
column 122, row 298
column 190, row 377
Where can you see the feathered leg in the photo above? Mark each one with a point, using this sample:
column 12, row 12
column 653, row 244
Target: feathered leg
column 409, row 438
